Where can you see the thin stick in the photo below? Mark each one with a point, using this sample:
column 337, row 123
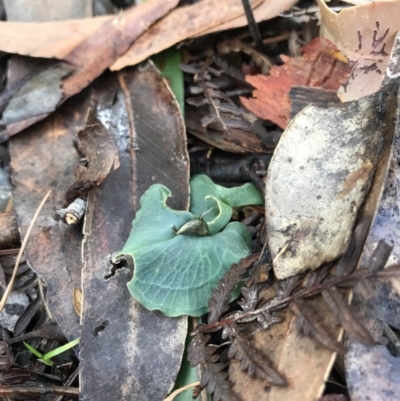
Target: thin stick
column 21, row 251
column 9, row 251
column 68, row 383
column 33, row 390
column 180, row 390
column 46, row 306
column 280, row 253
column 253, row 27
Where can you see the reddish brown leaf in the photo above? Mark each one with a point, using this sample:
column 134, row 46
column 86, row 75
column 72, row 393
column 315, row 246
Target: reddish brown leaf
column 317, row 68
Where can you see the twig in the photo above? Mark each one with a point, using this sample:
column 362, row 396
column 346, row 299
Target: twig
column 9, row 251
column 42, row 294
column 253, row 27
column 68, row 383
column 21, row 251
column 21, row 390
column 180, row 390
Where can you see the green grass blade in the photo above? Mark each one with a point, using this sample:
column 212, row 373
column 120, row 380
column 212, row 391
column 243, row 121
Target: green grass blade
column 61, row 349
column 33, row 350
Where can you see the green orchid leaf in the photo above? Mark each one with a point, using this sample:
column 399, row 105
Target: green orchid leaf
column 175, row 273
column 217, row 213
column 204, row 190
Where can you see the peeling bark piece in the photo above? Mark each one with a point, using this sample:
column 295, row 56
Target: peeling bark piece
column 182, row 23
column 365, row 34
column 318, row 178
column 317, row 68
column 142, row 115
column 44, row 157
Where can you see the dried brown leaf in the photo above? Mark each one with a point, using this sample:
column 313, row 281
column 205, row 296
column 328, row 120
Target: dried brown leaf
column 95, row 54
column 49, row 148
column 53, row 39
column 15, row 376
column 180, row 24
column 97, row 51
column 26, row 317
column 145, row 122
column 250, row 297
column 39, row 95
column 51, row 331
column 217, row 138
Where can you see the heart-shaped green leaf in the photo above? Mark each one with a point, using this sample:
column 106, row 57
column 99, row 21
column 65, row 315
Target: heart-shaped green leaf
column 175, row 273
column 204, row 194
